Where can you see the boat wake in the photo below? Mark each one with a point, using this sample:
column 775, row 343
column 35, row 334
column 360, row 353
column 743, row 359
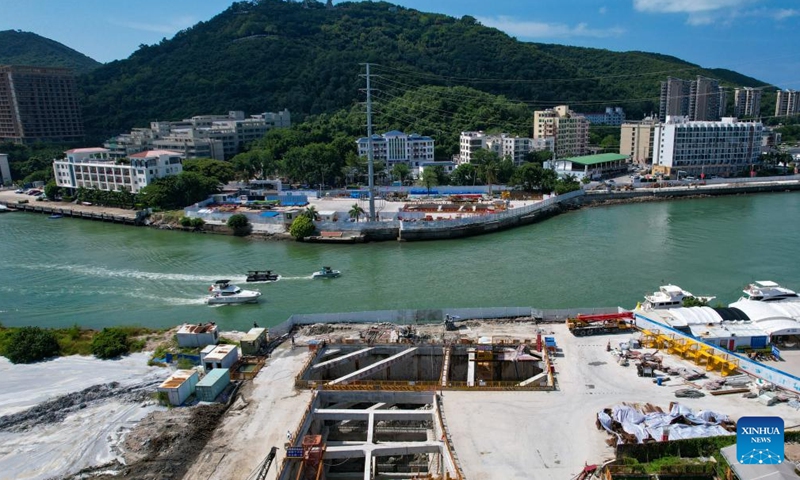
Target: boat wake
column 108, row 273
column 306, row 277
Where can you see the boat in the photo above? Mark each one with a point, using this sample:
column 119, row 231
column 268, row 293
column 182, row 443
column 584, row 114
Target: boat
column 262, row 276
column 4, row 209
column 768, row 291
column 223, row 292
column 326, row 272
column 670, row 296
column 55, row 216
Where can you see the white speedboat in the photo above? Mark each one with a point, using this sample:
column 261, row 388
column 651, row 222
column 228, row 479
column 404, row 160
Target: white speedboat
column 768, row 291
column 224, row 293
column 326, row 272
column 669, row 296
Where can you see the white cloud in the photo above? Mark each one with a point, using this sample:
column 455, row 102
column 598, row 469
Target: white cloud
column 603, row 10
column 172, row 26
column 785, row 13
column 685, row 6
column 529, row 29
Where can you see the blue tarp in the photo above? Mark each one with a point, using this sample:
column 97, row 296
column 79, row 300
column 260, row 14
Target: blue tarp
column 268, row 214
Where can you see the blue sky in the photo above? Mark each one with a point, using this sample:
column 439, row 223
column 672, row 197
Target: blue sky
column 759, row 38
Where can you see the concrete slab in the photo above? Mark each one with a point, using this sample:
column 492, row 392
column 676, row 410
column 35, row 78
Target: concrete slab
column 375, row 367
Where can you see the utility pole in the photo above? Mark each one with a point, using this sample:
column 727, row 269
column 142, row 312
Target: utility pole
column 370, row 159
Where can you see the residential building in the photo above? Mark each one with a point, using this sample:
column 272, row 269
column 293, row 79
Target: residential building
column 505, row 145
column 95, row 168
column 787, row 103
column 699, row 99
column 691, row 148
column 613, row 116
column 770, row 138
column 747, row 102
column 447, row 167
column 636, row 140
column 396, row 147
column 39, row 104
column 569, row 130
column 5, row 170
column 203, row 136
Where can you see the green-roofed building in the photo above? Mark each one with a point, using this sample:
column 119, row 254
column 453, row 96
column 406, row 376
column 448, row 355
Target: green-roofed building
column 592, row 166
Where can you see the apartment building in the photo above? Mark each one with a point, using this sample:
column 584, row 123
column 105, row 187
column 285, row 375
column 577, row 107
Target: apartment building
column 203, row 136
column 747, row 102
column 569, row 130
column 692, row 148
column 701, row 99
column 5, row 170
column 39, row 104
column 787, row 103
column 636, row 140
column 96, row 168
column 396, row 147
column 505, row 145
column 613, row 116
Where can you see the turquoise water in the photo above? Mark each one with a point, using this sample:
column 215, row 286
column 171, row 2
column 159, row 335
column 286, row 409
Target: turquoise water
column 66, row 271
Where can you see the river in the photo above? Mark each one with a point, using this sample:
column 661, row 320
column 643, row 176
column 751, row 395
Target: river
column 57, row 273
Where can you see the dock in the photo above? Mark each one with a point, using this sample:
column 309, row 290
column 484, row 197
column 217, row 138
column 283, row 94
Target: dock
column 135, row 218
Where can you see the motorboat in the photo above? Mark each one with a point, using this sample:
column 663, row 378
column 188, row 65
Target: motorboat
column 670, row 296
column 55, row 216
column 4, row 209
column 222, row 292
column 326, row 272
column 262, row 276
column 768, row 291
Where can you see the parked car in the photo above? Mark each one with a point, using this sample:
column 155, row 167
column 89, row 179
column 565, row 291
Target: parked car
column 19, row 190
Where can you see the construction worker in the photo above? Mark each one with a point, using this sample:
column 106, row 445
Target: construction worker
column 608, row 346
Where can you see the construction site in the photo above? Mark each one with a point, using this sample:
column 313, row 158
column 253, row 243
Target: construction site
column 459, row 399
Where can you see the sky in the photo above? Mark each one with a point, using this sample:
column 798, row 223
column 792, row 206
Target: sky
column 758, row 38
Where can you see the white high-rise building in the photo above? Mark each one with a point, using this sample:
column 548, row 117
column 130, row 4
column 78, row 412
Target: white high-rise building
column 722, row 148
column 94, row 168
column 787, row 103
column 569, row 130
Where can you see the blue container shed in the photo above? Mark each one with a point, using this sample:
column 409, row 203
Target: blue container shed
column 212, row 384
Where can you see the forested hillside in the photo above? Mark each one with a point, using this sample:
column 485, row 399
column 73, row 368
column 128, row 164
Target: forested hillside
column 26, row 48
column 270, row 54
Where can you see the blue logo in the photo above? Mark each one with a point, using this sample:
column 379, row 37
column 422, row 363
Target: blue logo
column 759, row 440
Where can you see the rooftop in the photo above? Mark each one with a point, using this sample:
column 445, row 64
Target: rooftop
column 177, row 379
column 198, row 329
column 154, row 153
column 596, row 159
column 87, row 150
column 221, row 352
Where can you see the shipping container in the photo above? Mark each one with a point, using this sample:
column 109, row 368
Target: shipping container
column 213, row 384
column 179, row 386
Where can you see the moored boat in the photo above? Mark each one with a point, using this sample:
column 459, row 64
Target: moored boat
column 670, row 296
column 768, row 291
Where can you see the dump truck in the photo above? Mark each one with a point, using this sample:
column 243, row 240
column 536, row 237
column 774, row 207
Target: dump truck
column 584, row 325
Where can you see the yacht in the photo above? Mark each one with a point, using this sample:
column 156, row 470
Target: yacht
column 222, row 292
column 326, row 272
column 768, row 291
column 262, row 276
column 669, row 296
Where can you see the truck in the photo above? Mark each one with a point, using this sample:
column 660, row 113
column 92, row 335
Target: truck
column 584, row 325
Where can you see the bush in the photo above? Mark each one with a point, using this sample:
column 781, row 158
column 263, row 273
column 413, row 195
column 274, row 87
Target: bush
column 240, row 224
column 185, row 222
column 110, row 343
column 198, row 222
column 67, row 198
column 302, row 227
column 31, row 344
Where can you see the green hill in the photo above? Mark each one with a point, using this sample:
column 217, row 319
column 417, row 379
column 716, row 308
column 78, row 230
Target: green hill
column 26, row 48
column 270, row 54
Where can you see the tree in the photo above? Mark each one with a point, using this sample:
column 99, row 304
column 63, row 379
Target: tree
column 240, row 224
column 549, row 180
column 429, row 179
column 110, row 343
column 529, row 176
column 464, row 174
column 356, row 211
column 302, row 227
column 538, row 156
column 31, row 344
column 310, row 212
column 197, row 223
column 567, row 184
column 210, row 168
column 401, row 170
column 694, row 302
column 51, row 190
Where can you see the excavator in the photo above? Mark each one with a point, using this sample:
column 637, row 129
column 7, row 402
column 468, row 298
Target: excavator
column 583, row 325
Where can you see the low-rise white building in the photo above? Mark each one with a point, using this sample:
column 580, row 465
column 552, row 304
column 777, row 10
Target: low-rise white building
column 95, row 169
column 590, row 166
column 505, row 145
column 179, row 386
column 223, row 356
column 724, row 148
column 199, row 335
column 396, row 147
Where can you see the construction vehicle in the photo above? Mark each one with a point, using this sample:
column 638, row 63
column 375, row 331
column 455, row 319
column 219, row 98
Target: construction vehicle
column 584, row 325
column 264, row 467
column 450, row 322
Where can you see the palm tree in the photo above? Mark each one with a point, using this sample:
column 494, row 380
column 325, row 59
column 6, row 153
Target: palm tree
column 401, row 170
column 310, row 212
column 429, row 179
column 490, row 170
column 356, row 211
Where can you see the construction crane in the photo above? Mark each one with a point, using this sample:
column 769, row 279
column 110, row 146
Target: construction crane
column 264, row 467
column 583, row 325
